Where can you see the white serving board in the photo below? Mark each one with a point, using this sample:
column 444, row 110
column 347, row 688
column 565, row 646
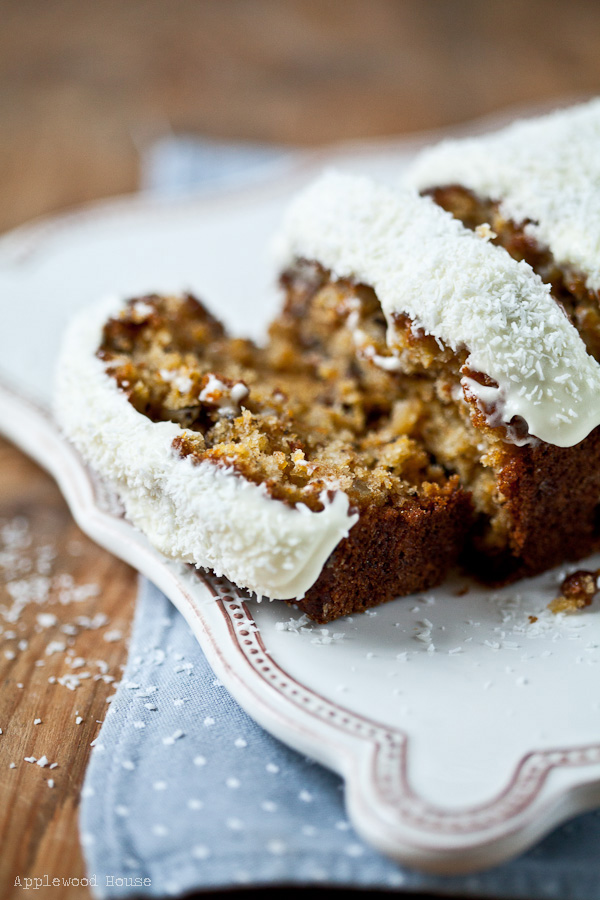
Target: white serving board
column 456, row 757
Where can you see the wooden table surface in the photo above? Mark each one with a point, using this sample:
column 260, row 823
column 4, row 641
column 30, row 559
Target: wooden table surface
column 83, row 86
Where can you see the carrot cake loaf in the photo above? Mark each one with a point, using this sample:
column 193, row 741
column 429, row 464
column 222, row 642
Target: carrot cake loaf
column 500, row 386
column 421, row 395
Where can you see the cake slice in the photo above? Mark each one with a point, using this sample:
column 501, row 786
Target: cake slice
column 295, row 484
column 496, row 381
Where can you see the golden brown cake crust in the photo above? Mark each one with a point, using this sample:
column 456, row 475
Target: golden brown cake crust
column 553, row 497
column 391, row 552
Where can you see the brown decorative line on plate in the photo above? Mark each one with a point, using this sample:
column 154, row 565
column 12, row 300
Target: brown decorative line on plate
column 389, row 764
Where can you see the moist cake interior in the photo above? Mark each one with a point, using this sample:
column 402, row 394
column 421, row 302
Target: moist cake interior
column 298, row 420
column 341, row 324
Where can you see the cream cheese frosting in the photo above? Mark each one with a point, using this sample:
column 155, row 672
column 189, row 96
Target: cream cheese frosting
column 200, row 513
column 459, row 288
column 546, row 170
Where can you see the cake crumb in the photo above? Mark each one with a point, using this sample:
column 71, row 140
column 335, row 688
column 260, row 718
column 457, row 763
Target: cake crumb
column 485, row 232
column 577, row 591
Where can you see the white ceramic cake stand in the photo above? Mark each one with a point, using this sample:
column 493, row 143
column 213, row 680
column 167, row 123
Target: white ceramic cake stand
column 463, row 731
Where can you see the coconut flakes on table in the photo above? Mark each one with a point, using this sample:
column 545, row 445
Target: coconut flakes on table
column 34, row 589
column 70, row 681
column 70, row 592
column 77, row 662
column 113, row 636
column 98, row 620
column 15, row 541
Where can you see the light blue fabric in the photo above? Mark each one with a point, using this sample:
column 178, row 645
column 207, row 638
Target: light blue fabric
column 186, row 792
column 175, row 165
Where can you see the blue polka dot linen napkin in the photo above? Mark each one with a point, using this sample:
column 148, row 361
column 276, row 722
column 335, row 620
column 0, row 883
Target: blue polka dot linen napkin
column 185, row 792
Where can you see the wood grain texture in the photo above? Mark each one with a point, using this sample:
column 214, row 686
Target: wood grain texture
column 83, row 86
column 43, row 555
